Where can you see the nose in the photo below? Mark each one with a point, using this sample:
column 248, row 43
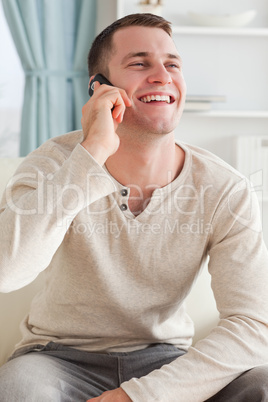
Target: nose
column 159, row 75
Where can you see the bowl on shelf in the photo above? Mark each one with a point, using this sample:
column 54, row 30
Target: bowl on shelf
column 222, row 20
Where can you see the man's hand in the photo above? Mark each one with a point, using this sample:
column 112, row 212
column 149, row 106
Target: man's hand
column 100, row 118
column 116, row 395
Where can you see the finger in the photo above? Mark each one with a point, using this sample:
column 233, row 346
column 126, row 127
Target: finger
column 115, row 93
column 119, row 105
column 118, row 112
column 125, row 97
column 118, row 117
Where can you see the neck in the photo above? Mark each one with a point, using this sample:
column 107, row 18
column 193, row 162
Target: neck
column 143, row 164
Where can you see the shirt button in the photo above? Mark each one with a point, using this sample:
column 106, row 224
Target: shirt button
column 123, row 207
column 124, row 192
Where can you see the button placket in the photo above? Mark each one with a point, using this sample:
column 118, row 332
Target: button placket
column 124, row 193
column 123, row 207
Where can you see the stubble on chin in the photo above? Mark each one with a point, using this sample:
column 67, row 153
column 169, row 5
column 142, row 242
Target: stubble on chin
column 143, row 127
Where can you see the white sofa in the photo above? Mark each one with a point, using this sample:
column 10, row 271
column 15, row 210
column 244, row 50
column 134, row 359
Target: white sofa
column 15, row 305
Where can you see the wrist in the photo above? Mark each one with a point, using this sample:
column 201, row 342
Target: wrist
column 98, row 152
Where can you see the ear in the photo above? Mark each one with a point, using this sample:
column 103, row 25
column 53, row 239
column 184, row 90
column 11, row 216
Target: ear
column 90, row 79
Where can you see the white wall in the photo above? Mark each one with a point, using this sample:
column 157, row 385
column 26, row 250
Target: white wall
column 11, row 92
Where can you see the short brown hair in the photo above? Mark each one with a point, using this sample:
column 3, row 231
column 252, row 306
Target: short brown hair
column 102, row 46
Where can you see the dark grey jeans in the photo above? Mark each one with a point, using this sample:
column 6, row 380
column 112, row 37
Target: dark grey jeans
column 56, row 373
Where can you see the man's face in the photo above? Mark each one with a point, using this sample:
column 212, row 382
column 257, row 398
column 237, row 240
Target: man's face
column 146, row 64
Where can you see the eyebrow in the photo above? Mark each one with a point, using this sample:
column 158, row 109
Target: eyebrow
column 132, row 55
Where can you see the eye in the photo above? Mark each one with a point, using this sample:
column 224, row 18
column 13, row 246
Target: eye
column 138, row 64
column 173, row 65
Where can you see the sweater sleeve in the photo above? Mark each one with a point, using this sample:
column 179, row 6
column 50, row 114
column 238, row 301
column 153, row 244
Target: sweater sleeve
column 239, row 269
column 48, row 190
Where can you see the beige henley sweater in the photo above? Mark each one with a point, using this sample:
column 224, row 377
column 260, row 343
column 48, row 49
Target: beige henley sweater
column 118, row 282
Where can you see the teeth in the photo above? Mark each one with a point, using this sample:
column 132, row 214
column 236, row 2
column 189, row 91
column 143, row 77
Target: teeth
column 158, row 98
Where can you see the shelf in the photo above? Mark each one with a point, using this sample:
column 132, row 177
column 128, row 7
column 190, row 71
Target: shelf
column 251, row 114
column 198, row 30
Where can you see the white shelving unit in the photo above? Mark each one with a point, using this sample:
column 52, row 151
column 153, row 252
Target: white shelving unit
column 227, row 61
column 195, row 30
column 245, row 114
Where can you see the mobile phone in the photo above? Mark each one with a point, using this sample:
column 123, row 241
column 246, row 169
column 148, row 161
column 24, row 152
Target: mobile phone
column 101, row 79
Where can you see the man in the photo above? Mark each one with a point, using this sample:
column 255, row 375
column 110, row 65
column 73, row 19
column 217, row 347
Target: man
column 109, row 213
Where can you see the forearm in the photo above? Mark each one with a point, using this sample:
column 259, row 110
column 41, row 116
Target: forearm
column 206, row 368
column 38, row 210
column 238, row 266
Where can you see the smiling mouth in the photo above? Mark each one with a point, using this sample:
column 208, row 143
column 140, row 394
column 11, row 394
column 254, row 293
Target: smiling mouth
column 157, row 98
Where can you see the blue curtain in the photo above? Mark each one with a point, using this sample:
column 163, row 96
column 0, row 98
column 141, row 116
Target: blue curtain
column 52, row 38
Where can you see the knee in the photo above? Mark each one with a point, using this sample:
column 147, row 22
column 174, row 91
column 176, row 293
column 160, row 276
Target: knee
column 258, row 379
column 11, row 380
column 250, row 386
column 22, row 379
